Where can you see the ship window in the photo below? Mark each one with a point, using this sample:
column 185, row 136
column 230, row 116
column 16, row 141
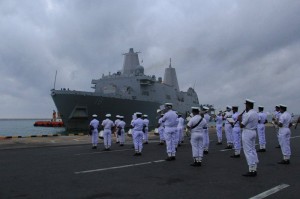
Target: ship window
column 168, row 97
column 145, row 93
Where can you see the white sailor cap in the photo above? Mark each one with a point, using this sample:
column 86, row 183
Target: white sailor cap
column 228, row 107
column 282, row 106
column 205, row 108
column 168, row 104
column 145, row 115
column 117, row 116
column 138, row 113
column 249, row 101
column 195, row 108
column 94, row 115
column 108, row 115
column 121, row 117
column 261, row 107
column 158, row 111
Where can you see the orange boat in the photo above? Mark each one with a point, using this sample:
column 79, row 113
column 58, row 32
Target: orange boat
column 49, row 124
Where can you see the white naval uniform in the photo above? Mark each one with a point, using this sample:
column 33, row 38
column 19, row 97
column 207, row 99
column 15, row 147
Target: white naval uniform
column 180, row 128
column 262, row 117
column 284, row 135
column 107, row 125
column 121, row 124
column 250, row 121
column 228, row 129
column 197, row 135
column 161, row 130
column 219, row 124
column 116, row 133
column 170, row 124
column 145, row 135
column 277, row 116
column 236, row 132
column 95, row 124
column 206, row 135
column 138, row 125
column 176, row 134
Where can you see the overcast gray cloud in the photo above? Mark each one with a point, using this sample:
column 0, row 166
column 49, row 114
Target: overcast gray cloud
column 230, row 50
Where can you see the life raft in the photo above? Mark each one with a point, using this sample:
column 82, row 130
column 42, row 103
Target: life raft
column 48, row 124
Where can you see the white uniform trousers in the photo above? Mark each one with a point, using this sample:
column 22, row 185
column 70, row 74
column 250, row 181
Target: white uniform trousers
column 261, row 136
column 138, row 141
column 161, row 134
column 95, row 135
column 205, row 139
column 219, row 132
column 197, row 145
column 180, row 134
column 170, row 134
column 228, row 133
column 248, row 140
column 176, row 137
column 284, row 141
column 107, row 138
column 145, row 135
column 236, row 132
column 122, row 137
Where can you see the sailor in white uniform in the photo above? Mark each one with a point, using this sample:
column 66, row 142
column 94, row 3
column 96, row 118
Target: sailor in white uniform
column 169, row 120
column 206, row 134
column 275, row 119
column 94, row 125
column 116, row 131
column 262, row 120
column 228, row 128
column 138, row 125
column 146, row 122
column 180, row 128
column 161, row 129
column 248, row 122
column 197, row 126
column 285, row 134
column 107, row 126
column 120, row 130
column 219, row 124
column 236, row 132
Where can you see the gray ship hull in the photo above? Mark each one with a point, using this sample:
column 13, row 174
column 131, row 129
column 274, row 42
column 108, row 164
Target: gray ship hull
column 76, row 108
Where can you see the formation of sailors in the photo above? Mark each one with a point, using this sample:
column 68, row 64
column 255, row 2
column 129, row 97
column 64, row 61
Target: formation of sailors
column 240, row 129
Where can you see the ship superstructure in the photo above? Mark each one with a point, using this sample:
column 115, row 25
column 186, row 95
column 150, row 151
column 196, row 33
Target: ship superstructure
column 123, row 93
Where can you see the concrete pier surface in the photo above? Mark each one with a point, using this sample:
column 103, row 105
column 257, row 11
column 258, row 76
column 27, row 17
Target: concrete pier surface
column 66, row 167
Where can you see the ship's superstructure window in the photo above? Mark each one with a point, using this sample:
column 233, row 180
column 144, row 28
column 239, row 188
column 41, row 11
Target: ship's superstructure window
column 109, row 89
column 145, row 93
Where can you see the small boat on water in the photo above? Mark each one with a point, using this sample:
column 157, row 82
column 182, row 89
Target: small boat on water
column 58, row 123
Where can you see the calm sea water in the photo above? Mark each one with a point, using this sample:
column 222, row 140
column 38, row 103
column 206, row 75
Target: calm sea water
column 24, row 127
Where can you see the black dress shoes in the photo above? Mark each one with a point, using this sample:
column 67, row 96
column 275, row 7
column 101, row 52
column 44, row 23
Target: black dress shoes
column 261, row 150
column 250, row 174
column 284, row 162
column 196, row 164
column 236, row 156
column 205, row 152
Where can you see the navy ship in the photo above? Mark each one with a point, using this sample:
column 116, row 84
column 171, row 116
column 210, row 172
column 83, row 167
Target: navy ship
column 123, row 93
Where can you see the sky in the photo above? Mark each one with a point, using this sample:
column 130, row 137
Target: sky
column 227, row 50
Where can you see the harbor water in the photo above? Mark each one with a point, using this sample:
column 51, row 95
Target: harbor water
column 24, row 127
